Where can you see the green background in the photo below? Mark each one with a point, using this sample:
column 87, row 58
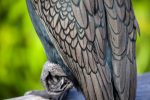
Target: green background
column 22, row 55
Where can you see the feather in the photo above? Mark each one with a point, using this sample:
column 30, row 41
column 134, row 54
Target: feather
column 82, row 31
column 121, row 34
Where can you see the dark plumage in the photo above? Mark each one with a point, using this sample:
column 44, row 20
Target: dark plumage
column 95, row 39
column 50, row 50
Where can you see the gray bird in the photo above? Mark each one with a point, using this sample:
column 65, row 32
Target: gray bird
column 90, row 44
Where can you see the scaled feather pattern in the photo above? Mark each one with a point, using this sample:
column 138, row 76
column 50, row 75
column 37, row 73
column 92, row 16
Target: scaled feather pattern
column 96, row 41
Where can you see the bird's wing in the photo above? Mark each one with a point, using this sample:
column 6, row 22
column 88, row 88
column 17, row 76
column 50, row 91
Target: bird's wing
column 122, row 26
column 78, row 30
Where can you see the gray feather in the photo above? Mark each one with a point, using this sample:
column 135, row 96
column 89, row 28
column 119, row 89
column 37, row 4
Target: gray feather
column 95, row 40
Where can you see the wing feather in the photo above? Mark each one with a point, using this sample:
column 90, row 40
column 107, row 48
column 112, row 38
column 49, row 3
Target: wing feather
column 81, row 43
column 85, row 23
column 81, row 30
column 122, row 36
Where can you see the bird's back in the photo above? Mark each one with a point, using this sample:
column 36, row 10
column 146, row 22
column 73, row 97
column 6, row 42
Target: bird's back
column 96, row 41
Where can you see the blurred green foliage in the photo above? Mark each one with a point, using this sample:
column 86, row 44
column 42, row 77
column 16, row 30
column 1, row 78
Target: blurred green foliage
column 22, row 55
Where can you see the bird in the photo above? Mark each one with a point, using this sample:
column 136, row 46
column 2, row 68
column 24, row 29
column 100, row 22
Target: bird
column 93, row 41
